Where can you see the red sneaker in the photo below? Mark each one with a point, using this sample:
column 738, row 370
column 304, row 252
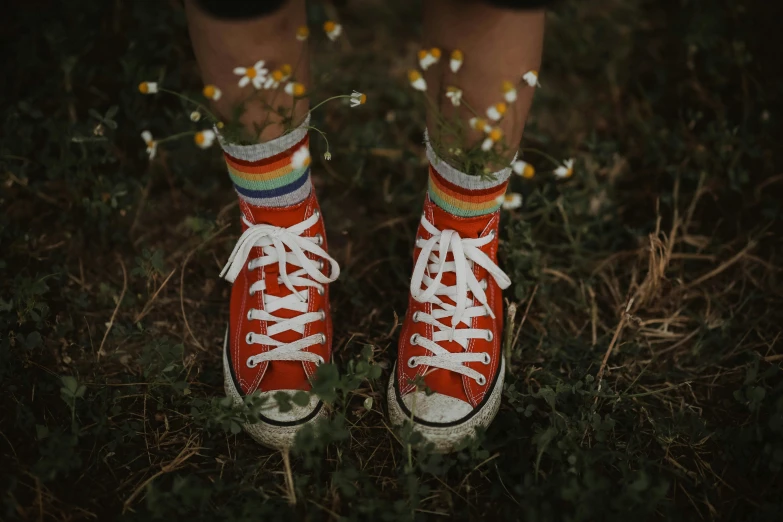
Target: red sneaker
column 280, row 328
column 451, row 337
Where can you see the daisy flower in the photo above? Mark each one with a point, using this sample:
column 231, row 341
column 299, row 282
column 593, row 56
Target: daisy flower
column 295, row 89
column 510, row 201
column 148, row 87
column 417, row 82
column 509, row 92
column 494, row 136
column 302, row 33
column 274, row 79
column 333, row 30
column 524, row 169
column 566, row 170
column 195, row 116
column 152, row 145
column 286, row 70
column 301, row 157
column 454, row 94
column 327, row 155
column 428, row 57
column 531, row 77
column 255, row 74
column 479, row 125
column 456, row 60
column 211, row 92
column 497, row 111
column 357, row 98
column 205, row 138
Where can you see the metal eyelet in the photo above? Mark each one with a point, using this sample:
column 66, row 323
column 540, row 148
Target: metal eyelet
column 320, row 361
column 249, row 315
column 481, row 381
column 320, row 264
column 483, row 284
column 252, row 292
column 415, row 317
column 319, row 239
column 323, row 339
column 320, row 291
column 414, row 338
column 317, row 213
column 412, row 363
column 486, row 359
column 249, row 338
column 251, row 363
column 490, row 335
column 323, row 314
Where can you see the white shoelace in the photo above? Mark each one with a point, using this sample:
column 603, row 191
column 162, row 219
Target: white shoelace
column 273, row 241
column 427, row 286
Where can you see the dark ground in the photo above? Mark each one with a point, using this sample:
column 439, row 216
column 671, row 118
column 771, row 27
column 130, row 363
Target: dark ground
column 662, row 253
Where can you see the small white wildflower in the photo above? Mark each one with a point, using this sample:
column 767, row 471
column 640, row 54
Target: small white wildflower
column 455, row 95
column 255, row 74
column 195, row 116
column 333, row 30
column 152, row 145
column 456, row 60
column 523, row 168
column 327, row 155
column 566, row 170
column 510, row 201
column 148, row 87
column 531, row 77
column 205, row 138
column 357, row 99
column 301, row 158
column 496, row 112
column 417, row 82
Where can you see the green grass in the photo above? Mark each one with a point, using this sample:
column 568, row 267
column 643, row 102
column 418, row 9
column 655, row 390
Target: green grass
column 645, row 371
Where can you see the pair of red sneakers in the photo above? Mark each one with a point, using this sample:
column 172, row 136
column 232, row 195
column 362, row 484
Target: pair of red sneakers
column 449, row 373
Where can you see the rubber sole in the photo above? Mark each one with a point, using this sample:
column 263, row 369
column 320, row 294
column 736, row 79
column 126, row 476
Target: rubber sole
column 274, row 436
column 445, row 438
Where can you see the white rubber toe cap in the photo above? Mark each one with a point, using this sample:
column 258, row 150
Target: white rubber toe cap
column 272, row 411
column 436, row 408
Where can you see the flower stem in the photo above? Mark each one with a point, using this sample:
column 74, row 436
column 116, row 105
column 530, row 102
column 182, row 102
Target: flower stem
column 176, row 136
column 544, row 154
column 194, row 102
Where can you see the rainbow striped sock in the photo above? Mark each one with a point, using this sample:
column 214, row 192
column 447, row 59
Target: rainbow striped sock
column 271, row 174
column 462, row 194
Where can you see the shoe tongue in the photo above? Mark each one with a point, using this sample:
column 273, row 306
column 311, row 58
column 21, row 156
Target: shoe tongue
column 276, row 216
column 466, row 227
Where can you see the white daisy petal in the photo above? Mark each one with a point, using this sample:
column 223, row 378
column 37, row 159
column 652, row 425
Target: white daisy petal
column 240, row 71
column 301, row 157
column 244, row 81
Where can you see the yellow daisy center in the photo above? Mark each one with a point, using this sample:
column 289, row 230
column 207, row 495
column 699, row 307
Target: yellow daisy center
column 199, row 138
column 414, row 75
column 495, row 134
column 501, row 108
column 144, row 88
column 209, row 91
column 277, row 75
column 220, row 125
column 362, row 99
column 507, row 86
column 528, row 171
column 435, row 52
column 508, row 198
column 329, row 26
column 303, row 31
column 422, row 54
column 479, row 124
column 251, row 73
column 456, row 54
column 286, row 69
column 299, row 89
